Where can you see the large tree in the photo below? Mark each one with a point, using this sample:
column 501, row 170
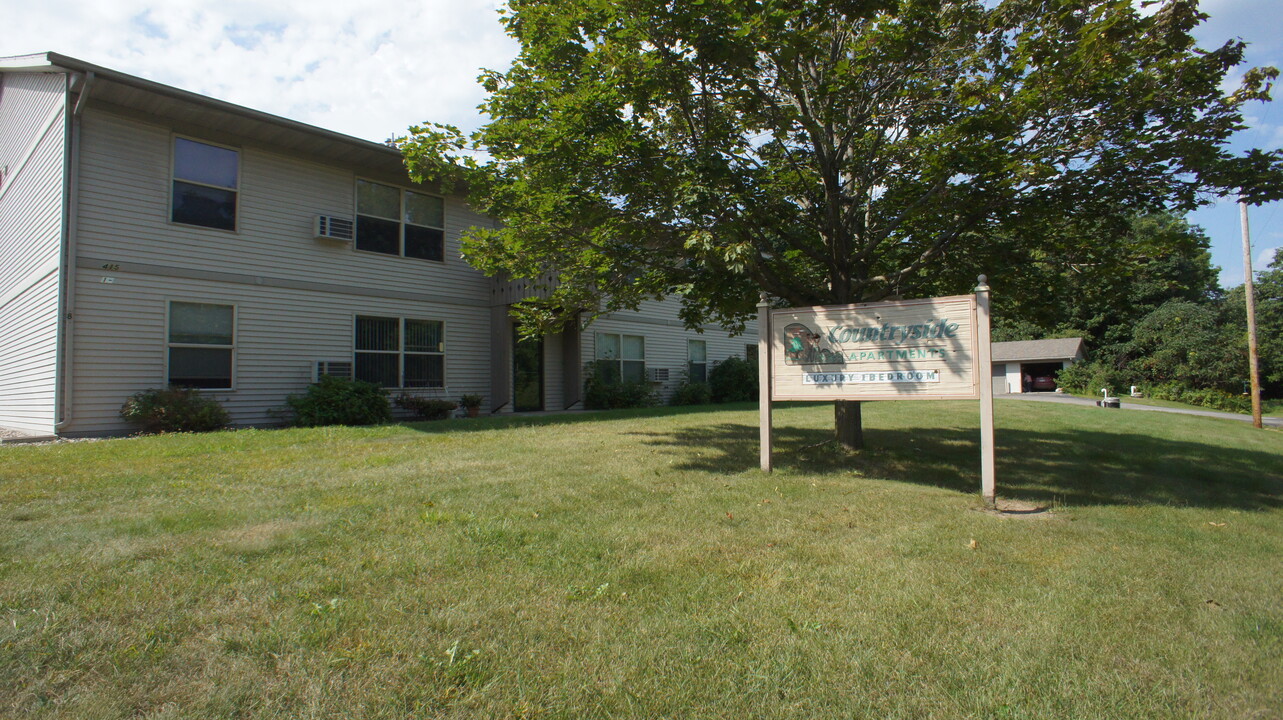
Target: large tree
column 831, row 152
column 1269, row 323
column 1091, row 279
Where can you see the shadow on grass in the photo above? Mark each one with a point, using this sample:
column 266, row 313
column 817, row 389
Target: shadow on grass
column 1071, row 466
column 507, row 421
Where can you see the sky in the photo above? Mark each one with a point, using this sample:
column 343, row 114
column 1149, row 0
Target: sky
column 373, row 69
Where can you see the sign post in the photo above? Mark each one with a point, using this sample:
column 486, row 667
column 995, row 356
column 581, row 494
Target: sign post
column 927, row 349
column 764, row 378
column 985, row 362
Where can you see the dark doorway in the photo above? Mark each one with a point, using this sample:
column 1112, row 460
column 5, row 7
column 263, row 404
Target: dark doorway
column 527, row 373
column 1039, row 377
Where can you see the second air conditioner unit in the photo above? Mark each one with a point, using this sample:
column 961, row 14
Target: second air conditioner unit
column 329, row 227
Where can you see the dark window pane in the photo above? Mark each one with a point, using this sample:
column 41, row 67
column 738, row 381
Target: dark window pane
column 200, row 367
column 200, row 323
column 698, row 372
column 608, row 371
column 378, row 368
column 633, row 371
column 423, row 336
column 204, row 206
column 203, row 163
column 380, row 236
column 378, row 333
column 424, row 371
column 527, row 373
column 425, row 243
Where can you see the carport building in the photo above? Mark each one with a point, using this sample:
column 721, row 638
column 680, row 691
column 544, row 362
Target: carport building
column 1013, row 362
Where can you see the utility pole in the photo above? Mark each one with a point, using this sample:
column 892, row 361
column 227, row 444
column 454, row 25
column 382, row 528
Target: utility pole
column 1249, row 296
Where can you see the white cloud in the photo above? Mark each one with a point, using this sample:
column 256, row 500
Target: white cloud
column 1264, row 258
column 369, row 70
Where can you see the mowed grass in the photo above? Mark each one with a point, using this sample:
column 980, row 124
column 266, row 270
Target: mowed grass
column 639, row 565
column 1269, row 408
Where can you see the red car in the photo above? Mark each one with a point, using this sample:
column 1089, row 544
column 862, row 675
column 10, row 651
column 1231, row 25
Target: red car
column 1042, row 383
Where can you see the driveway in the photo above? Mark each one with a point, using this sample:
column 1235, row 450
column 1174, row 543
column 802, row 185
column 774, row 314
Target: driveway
column 1071, row 400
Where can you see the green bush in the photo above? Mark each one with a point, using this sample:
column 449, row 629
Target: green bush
column 1182, row 343
column 339, row 401
column 426, row 408
column 1087, row 378
column 733, row 380
column 691, row 393
column 174, row 410
column 600, row 393
column 1208, row 397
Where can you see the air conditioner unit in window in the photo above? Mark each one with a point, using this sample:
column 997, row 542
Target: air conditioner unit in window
column 329, row 227
column 657, row 375
column 337, row 368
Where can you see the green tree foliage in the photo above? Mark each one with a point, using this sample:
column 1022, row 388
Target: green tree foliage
column 1269, row 324
column 1185, row 343
column 733, row 380
column 830, row 151
column 691, row 393
column 603, row 392
column 1184, row 351
column 1099, row 282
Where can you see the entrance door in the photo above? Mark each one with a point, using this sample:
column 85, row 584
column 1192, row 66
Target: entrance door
column 527, row 373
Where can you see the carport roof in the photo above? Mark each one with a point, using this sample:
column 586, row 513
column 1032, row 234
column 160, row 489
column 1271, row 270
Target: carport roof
column 1038, row 350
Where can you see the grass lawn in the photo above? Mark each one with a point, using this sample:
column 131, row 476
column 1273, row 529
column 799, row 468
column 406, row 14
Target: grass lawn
column 1269, row 408
column 638, row 565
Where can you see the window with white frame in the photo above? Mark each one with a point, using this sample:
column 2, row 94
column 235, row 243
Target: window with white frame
column 201, row 345
column 205, row 186
column 400, row 352
column 696, row 361
column 393, row 221
column 621, row 358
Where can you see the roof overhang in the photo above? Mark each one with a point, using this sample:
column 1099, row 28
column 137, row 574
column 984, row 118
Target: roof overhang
column 1053, row 350
column 116, row 89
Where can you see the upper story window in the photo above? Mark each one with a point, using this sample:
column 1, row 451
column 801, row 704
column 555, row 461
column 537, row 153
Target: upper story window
column 393, row 221
column 206, row 178
column 202, row 341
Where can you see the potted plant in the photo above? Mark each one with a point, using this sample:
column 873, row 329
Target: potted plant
column 472, row 403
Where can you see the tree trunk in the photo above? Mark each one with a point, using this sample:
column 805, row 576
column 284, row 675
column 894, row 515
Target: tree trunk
column 847, row 424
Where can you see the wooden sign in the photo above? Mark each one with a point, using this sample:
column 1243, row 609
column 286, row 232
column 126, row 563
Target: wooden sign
column 930, row 349
column 911, row 350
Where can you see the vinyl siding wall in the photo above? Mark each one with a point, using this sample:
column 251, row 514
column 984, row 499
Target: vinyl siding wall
column 121, row 346
column 296, row 297
column 125, row 218
column 666, row 337
column 33, row 155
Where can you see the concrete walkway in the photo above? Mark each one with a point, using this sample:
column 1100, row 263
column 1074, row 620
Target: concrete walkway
column 1071, row 400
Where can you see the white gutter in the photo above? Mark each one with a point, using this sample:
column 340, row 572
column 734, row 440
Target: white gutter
column 64, row 388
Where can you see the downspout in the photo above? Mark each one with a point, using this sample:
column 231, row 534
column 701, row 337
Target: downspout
column 63, row 388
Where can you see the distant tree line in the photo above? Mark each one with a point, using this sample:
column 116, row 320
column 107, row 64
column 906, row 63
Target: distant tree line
column 1147, row 300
